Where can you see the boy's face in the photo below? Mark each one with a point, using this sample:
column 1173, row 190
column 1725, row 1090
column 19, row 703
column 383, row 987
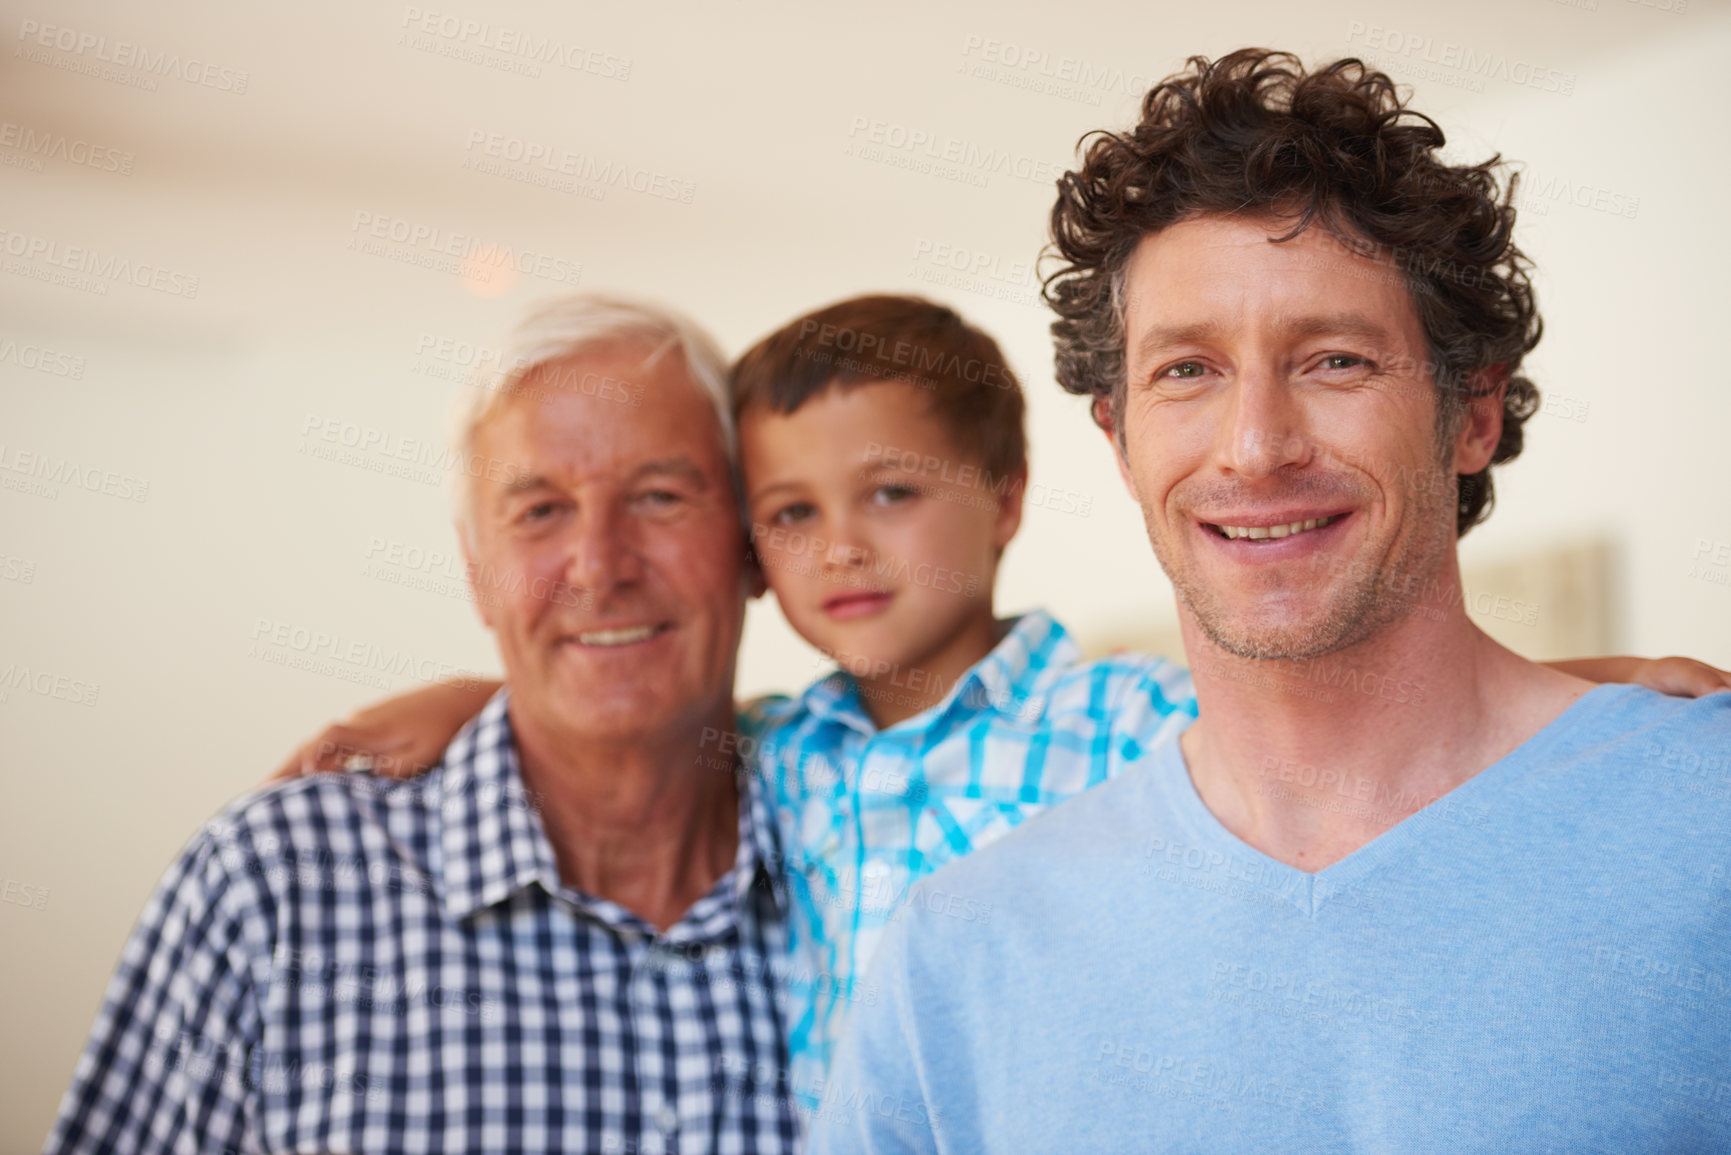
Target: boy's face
column 878, row 536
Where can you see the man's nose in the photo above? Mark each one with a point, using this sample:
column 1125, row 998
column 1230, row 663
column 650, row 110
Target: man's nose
column 1264, row 429
column 604, row 551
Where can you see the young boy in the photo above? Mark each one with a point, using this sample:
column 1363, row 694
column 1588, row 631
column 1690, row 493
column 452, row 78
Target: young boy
column 884, row 462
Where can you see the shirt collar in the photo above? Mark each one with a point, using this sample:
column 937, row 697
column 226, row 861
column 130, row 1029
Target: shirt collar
column 1014, row 678
column 835, row 698
column 1011, row 681
column 494, row 845
column 760, row 861
column 489, row 824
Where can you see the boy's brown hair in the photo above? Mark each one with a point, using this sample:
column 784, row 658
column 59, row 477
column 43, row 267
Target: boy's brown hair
column 894, row 338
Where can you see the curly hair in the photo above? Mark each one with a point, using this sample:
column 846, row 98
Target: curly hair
column 1254, row 134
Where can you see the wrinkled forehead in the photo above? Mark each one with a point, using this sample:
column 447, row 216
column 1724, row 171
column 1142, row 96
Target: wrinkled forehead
column 609, row 405
column 1217, row 277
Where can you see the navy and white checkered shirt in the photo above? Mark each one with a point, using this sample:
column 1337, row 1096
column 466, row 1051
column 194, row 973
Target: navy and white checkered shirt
column 343, row 963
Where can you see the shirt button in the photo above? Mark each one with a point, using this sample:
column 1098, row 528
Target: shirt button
column 667, row 1119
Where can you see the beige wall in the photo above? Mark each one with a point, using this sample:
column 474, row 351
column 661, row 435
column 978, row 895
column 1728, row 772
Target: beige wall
column 754, row 110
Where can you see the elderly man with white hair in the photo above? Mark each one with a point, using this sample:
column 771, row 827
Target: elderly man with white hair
column 568, row 936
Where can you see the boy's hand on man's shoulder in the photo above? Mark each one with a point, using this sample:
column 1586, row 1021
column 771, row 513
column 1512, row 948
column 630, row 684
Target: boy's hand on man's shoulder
column 1681, row 677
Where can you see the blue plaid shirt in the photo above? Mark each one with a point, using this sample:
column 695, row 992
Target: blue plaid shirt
column 866, row 813
column 343, row 963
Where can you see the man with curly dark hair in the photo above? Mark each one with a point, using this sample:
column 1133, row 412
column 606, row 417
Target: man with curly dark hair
column 1396, row 888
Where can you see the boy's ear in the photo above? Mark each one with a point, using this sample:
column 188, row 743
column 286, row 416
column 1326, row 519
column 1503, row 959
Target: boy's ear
column 483, row 602
column 1103, row 418
column 1009, row 517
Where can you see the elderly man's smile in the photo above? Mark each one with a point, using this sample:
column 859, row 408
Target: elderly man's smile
column 618, row 637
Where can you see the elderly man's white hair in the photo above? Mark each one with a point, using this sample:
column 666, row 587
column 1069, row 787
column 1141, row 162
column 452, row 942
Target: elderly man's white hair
column 567, row 325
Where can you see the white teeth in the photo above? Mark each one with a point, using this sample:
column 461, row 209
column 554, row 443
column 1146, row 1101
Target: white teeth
column 1274, row 532
column 616, row 637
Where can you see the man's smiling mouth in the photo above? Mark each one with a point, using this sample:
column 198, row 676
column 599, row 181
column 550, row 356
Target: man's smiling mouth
column 1271, row 532
column 626, row 636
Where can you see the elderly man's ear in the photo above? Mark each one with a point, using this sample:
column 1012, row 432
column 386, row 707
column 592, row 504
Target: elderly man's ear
column 483, row 603
column 756, row 585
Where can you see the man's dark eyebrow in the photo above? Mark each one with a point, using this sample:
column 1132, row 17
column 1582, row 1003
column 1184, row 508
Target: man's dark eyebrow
column 1338, row 324
column 1161, row 337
